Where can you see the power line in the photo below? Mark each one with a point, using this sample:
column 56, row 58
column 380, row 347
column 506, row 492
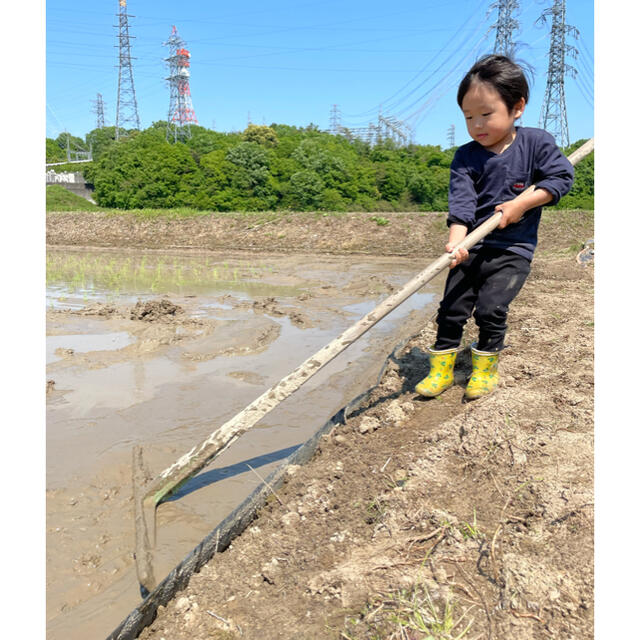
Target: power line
column 451, row 81
column 454, row 68
column 426, row 66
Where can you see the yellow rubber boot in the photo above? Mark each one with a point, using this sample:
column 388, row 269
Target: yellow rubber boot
column 440, row 373
column 484, row 377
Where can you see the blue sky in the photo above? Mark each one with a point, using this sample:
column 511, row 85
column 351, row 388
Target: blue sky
column 290, row 62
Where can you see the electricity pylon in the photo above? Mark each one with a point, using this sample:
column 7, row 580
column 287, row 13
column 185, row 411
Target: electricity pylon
column 127, row 106
column 181, row 113
column 99, row 111
column 505, row 27
column 553, row 116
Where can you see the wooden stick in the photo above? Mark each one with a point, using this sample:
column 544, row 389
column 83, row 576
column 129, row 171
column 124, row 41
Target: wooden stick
column 145, row 539
column 200, row 455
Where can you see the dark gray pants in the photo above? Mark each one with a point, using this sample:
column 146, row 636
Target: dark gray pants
column 488, row 281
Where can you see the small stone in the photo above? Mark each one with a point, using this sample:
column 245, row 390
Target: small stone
column 394, row 413
column 290, row 519
column 339, row 439
column 440, row 575
column 400, row 476
column 369, row 424
column 269, row 571
column 183, row 604
column 520, row 458
column 292, row 469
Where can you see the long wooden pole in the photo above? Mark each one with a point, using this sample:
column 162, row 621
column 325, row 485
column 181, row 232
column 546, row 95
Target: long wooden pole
column 200, row 455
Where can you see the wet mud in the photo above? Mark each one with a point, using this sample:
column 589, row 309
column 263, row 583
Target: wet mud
column 160, row 348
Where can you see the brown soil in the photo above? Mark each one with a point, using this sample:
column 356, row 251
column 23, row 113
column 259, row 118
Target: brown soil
column 483, row 510
column 401, row 234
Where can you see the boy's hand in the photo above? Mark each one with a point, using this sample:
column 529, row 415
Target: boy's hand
column 459, row 256
column 512, row 212
column 457, row 233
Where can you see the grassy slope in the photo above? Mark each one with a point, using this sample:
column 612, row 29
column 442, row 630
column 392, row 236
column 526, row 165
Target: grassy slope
column 61, row 199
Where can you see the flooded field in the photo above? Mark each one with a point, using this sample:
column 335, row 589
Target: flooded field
column 118, row 376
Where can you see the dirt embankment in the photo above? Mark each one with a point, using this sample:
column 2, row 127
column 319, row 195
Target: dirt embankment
column 423, row 517
column 395, row 234
column 377, row 234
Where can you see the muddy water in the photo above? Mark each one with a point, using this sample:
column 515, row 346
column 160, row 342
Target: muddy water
column 243, row 324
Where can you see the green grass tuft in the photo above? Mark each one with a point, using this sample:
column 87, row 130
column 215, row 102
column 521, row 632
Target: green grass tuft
column 410, row 613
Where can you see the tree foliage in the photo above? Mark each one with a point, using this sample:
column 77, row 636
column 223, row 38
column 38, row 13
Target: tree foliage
column 581, row 195
column 274, row 167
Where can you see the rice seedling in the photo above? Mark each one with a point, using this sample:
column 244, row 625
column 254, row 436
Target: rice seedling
column 99, row 274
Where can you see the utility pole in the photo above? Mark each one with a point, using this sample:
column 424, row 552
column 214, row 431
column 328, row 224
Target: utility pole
column 99, row 111
column 505, row 27
column 127, row 106
column 553, row 116
column 181, row 113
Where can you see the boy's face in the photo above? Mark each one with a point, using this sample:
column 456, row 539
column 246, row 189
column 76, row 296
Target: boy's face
column 489, row 122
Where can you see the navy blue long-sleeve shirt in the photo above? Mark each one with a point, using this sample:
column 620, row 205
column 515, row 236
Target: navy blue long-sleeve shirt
column 481, row 179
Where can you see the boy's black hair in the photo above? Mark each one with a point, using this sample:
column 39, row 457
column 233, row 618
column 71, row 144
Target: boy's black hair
column 504, row 75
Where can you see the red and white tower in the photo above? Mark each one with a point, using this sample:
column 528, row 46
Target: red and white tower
column 181, row 113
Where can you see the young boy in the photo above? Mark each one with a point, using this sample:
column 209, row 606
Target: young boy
column 491, row 174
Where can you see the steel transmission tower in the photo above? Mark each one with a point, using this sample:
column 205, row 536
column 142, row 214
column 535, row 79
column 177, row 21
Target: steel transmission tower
column 451, row 136
column 99, row 111
column 181, row 113
column 334, row 120
column 127, row 106
column 505, row 27
column 553, row 117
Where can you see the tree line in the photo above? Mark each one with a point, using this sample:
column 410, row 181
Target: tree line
column 271, row 168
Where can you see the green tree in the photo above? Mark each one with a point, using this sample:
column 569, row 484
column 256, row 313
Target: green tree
column 252, row 167
column 581, row 195
column 261, row 135
column 99, row 140
column 391, row 180
column 53, row 151
column 305, row 190
column 145, row 171
column 275, row 167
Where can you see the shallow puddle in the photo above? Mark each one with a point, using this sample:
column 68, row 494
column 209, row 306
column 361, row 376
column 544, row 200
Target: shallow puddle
column 116, row 382
column 83, row 343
